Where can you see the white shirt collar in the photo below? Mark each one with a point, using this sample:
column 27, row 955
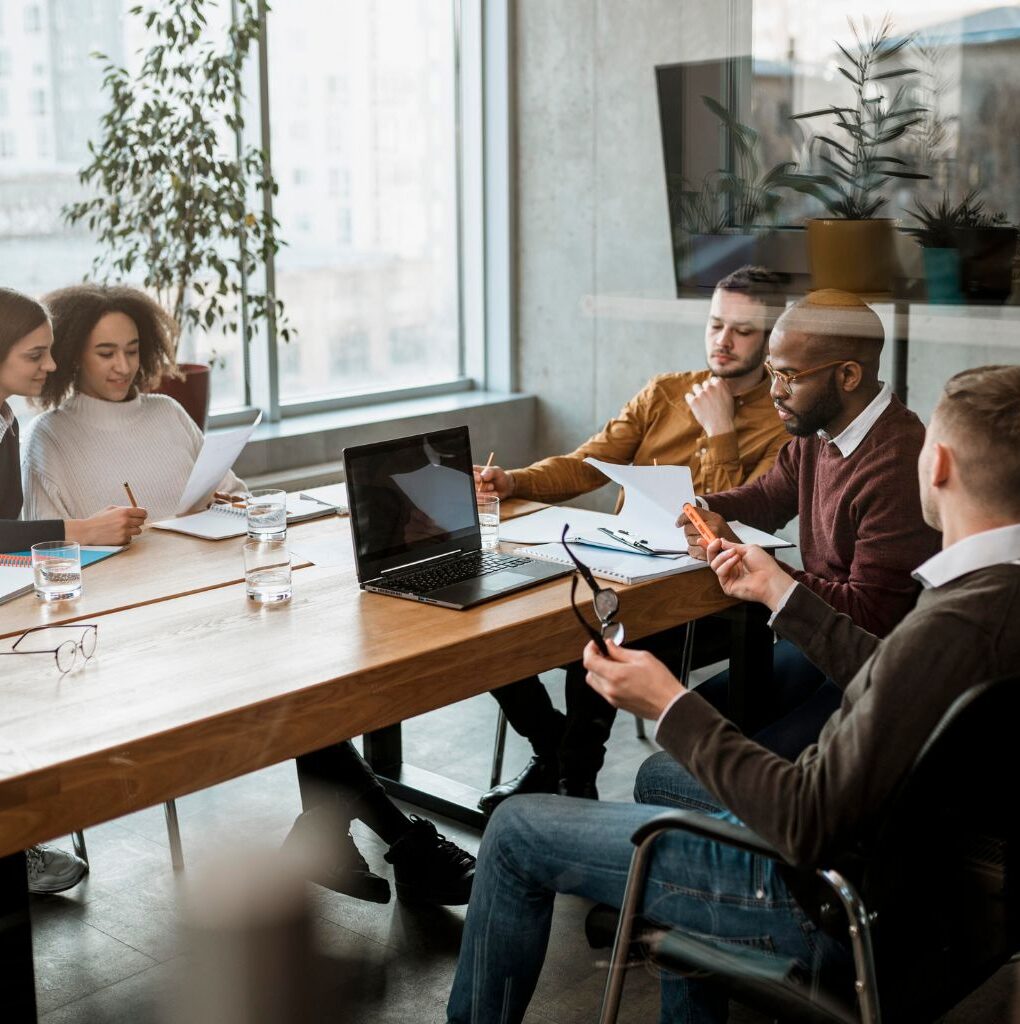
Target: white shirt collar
column 978, row 551
column 849, row 438
column 6, row 419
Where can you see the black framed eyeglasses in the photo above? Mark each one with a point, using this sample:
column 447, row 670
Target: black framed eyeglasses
column 605, row 601
column 65, row 653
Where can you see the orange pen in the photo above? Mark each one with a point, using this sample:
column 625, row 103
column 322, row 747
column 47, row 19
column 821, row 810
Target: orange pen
column 699, row 524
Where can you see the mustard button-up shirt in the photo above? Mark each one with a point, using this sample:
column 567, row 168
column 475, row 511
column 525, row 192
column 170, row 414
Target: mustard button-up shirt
column 657, row 425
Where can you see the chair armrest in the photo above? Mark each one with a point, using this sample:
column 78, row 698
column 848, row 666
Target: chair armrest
column 708, row 828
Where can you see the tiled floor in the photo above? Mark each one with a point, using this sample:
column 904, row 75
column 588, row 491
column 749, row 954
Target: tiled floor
column 108, row 952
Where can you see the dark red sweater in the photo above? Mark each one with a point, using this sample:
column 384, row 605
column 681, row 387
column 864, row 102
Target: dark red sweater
column 861, row 530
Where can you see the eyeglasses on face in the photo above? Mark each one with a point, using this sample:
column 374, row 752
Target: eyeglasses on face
column 605, row 601
column 66, row 653
column 787, row 380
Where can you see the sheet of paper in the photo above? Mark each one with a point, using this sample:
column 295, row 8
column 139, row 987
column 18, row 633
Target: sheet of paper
column 654, row 496
column 749, row 535
column 219, row 452
column 326, row 551
column 14, row 581
column 332, row 494
column 546, row 525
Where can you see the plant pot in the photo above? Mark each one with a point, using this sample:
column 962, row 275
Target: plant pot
column 942, row 275
column 192, row 391
column 854, row 255
column 712, row 257
column 986, row 262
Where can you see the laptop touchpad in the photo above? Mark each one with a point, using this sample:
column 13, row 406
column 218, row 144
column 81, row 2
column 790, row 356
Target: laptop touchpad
column 502, row 580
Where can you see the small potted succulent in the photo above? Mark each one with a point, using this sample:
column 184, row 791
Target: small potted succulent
column 853, row 248
column 721, row 219
column 935, row 235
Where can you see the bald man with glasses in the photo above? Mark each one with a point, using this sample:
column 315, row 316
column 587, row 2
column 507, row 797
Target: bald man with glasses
column 850, row 474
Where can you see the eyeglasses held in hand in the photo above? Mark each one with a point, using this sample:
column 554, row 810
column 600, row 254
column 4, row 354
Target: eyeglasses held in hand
column 787, row 380
column 66, row 653
column 605, row 601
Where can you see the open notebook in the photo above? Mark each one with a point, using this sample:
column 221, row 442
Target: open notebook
column 219, row 522
column 16, row 570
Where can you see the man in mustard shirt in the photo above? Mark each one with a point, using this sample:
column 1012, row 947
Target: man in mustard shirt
column 721, row 422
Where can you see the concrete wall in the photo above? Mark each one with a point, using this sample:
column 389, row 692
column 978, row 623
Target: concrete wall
column 596, row 309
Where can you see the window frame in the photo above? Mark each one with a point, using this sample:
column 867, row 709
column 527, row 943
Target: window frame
column 484, row 218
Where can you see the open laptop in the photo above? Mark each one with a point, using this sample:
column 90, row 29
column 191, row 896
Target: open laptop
column 415, row 524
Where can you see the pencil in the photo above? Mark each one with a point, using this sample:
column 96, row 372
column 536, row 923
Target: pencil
column 131, row 497
column 488, row 461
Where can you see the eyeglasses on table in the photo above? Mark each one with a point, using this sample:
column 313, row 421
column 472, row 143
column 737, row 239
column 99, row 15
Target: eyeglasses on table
column 66, row 652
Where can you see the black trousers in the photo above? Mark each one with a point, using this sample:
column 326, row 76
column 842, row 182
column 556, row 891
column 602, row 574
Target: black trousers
column 337, row 772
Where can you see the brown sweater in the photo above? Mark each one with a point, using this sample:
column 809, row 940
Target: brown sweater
column 895, row 692
column 861, row 529
column 658, row 425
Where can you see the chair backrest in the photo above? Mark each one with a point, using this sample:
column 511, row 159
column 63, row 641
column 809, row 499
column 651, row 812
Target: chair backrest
column 943, row 871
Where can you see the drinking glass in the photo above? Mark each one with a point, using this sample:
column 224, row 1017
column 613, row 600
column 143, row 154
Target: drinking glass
column 267, row 515
column 488, row 520
column 267, row 566
column 57, row 568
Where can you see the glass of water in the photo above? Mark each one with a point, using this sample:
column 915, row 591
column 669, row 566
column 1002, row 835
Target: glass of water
column 488, row 519
column 267, row 515
column 267, row 565
column 57, row 568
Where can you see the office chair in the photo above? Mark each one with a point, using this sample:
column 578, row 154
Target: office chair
column 929, row 905
column 173, row 832
column 496, row 774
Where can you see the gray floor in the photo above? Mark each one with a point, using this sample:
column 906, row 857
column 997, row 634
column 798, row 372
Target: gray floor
column 108, row 951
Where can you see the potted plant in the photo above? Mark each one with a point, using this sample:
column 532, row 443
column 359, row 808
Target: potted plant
column 852, row 248
column 175, row 195
column 722, row 216
column 938, row 243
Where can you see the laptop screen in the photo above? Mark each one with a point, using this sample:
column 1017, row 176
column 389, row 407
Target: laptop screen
column 411, row 498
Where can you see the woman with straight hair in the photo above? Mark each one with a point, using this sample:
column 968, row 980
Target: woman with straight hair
column 111, row 343
column 26, row 341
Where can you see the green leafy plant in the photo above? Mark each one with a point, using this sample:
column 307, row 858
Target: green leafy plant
column 174, row 192
column 859, row 165
column 938, row 222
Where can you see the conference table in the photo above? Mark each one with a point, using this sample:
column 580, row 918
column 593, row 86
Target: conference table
column 193, row 685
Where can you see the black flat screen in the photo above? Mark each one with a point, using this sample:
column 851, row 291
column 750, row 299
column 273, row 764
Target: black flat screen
column 412, row 498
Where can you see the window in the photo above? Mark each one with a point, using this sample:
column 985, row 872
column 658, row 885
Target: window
column 363, row 129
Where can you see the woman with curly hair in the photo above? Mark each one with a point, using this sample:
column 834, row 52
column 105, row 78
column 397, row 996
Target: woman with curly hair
column 110, row 343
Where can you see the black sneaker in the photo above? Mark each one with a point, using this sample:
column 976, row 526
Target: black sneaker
column 428, row 868
column 540, row 775
column 321, row 845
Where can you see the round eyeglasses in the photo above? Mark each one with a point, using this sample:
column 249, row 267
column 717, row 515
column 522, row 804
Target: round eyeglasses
column 605, row 601
column 66, row 652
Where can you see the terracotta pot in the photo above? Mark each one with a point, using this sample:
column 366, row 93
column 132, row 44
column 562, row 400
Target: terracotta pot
column 192, row 392
column 855, row 255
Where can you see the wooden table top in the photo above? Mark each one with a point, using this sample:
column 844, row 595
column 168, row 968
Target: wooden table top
column 188, row 692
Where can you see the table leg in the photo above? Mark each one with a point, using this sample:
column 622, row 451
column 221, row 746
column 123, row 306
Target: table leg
column 425, row 789
column 750, row 687
column 17, row 975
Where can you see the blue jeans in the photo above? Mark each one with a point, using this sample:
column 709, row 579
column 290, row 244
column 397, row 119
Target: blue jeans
column 537, row 846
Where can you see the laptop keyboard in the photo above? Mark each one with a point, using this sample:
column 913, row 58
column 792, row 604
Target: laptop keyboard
column 471, row 566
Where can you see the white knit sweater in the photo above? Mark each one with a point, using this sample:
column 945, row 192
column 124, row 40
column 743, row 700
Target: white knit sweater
column 78, row 457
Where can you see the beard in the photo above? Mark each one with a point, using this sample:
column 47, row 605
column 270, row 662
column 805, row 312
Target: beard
column 743, row 366
column 826, row 408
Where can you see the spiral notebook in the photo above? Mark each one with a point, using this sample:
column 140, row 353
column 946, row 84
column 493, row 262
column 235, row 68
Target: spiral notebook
column 619, row 566
column 218, row 522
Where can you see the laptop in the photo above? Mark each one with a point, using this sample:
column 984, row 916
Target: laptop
column 415, row 526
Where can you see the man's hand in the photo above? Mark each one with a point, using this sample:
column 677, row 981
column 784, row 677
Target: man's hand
column 696, row 547
column 748, row 572
column 494, row 481
column 115, row 525
column 712, row 406
column 633, row 680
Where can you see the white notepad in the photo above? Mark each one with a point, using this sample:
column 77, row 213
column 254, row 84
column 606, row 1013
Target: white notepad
column 619, row 566
column 14, row 581
column 218, row 522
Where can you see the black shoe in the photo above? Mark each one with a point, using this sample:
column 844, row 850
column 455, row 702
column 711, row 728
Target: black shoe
column 584, row 788
column 428, row 868
column 540, row 775
column 321, row 845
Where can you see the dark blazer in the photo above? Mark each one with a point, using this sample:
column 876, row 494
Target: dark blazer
column 17, row 534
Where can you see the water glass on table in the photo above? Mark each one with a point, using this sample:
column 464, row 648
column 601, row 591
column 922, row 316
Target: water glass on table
column 267, row 515
column 57, row 568
column 488, row 520
column 267, row 571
